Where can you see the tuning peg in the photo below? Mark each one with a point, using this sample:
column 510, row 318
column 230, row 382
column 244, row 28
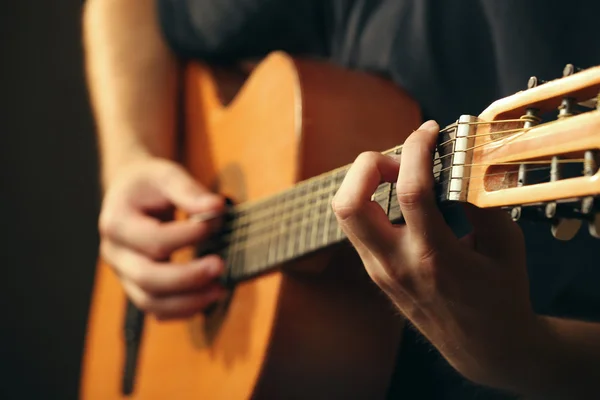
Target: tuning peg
column 565, row 229
column 516, row 213
column 570, row 69
column 534, row 81
column 594, row 226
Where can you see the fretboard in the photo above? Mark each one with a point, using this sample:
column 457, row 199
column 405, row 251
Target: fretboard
column 264, row 235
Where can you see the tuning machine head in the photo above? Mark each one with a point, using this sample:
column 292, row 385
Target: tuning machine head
column 594, row 226
column 565, row 229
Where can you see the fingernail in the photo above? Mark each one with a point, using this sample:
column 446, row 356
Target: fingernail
column 209, row 200
column 430, row 125
column 214, row 268
column 207, row 203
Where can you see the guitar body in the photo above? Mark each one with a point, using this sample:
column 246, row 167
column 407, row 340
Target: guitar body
column 318, row 329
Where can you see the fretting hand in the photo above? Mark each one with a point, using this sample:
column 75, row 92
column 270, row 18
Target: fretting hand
column 138, row 237
column 468, row 296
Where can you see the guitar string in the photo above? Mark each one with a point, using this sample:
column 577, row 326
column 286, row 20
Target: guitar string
column 250, row 204
column 291, row 206
column 329, row 235
column 379, row 196
column 290, row 215
column 249, row 241
column 260, row 214
column 244, row 243
column 309, row 196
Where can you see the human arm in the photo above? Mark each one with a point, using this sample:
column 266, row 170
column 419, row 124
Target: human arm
column 132, row 80
column 468, row 296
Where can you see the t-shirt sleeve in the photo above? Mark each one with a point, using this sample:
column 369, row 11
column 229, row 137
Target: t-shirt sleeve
column 228, row 30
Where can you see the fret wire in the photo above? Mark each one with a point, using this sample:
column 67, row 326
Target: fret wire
column 255, row 203
column 299, row 248
column 282, row 218
column 250, row 219
column 272, row 256
column 314, row 231
column 246, row 244
column 291, row 238
column 282, row 228
column 285, row 229
column 329, row 210
column 293, row 205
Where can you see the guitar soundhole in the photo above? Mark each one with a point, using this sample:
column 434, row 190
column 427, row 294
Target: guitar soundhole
column 205, row 328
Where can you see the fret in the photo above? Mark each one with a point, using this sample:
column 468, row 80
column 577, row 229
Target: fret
column 339, row 178
column 395, row 214
column 304, row 220
column 331, row 189
column 389, row 199
column 281, row 228
column 250, row 254
column 273, row 233
column 320, row 213
column 314, row 205
column 262, row 237
column 290, row 225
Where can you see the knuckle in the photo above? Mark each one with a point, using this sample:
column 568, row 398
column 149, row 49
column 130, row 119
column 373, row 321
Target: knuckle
column 108, row 223
column 144, row 302
column 158, row 250
column 411, row 194
column 344, row 209
column 138, row 273
column 367, row 158
column 107, row 253
column 104, row 249
column 414, row 142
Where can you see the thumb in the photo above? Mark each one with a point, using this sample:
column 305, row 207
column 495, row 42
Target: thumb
column 181, row 189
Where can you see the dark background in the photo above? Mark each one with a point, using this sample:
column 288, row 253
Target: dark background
column 48, row 199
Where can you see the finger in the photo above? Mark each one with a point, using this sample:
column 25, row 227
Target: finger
column 415, row 188
column 364, row 221
column 151, row 237
column 161, row 279
column 177, row 306
column 185, row 193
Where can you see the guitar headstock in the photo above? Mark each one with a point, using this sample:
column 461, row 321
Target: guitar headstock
column 536, row 153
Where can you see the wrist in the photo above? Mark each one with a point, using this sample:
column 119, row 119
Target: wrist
column 520, row 359
column 548, row 366
column 116, row 162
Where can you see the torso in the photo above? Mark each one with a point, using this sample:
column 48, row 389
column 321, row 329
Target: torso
column 453, row 57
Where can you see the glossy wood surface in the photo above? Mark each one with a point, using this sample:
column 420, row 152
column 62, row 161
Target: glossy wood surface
column 294, row 334
column 567, row 137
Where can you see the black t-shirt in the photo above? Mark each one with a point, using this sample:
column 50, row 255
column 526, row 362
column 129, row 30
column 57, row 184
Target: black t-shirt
column 454, row 57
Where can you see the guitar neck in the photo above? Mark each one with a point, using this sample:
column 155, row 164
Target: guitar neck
column 260, row 236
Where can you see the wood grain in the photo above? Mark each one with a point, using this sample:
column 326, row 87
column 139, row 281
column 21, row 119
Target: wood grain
column 290, row 334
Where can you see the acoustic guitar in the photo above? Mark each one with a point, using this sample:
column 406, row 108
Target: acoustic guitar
column 303, row 320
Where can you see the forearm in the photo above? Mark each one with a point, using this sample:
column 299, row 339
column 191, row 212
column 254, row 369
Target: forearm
column 132, row 79
column 563, row 361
